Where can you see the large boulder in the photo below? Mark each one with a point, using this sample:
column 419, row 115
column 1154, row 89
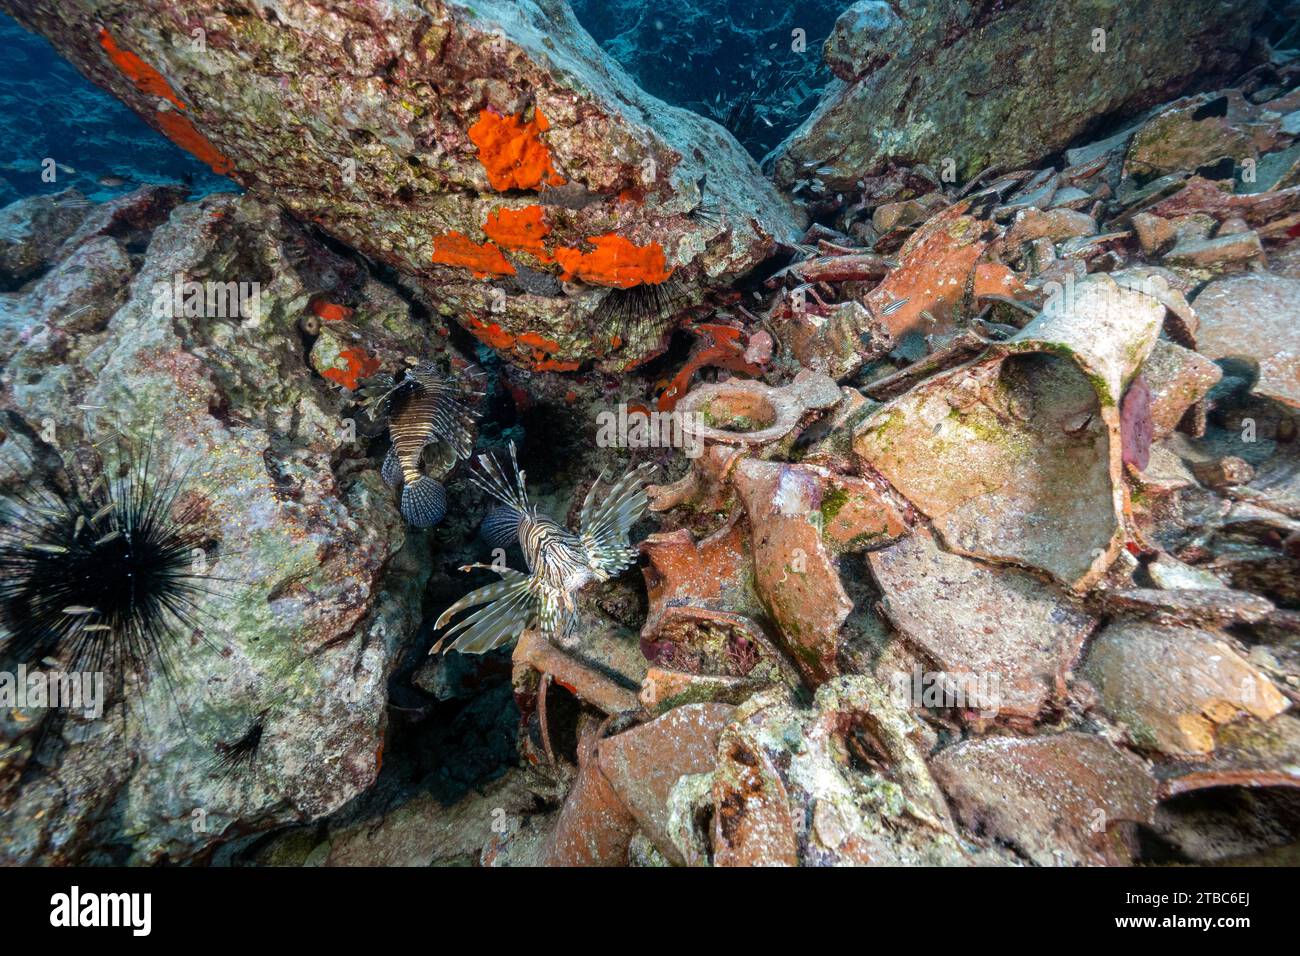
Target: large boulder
column 926, row 81
column 490, row 151
column 277, row 714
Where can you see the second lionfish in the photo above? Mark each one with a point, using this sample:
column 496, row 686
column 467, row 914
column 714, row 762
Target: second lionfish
column 423, row 407
column 560, row 561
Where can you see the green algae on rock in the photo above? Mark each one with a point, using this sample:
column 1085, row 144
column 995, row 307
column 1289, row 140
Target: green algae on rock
column 939, row 83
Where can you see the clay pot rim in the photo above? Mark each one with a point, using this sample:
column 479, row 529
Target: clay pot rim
column 785, row 418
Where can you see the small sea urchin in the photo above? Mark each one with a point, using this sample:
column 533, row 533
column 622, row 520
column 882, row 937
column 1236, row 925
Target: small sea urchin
column 103, row 570
column 240, row 756
column 708, row 209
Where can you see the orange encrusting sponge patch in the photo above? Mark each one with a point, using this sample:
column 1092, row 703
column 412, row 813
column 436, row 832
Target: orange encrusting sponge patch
column 177, row 128
column 331, row 311
column 145, row 77
column 455, row 249
column 512, row 151
column 182, row 132
column 615, row 262
column 539, row 347
column 490, row 332
column 520, row 229
column 360, row 365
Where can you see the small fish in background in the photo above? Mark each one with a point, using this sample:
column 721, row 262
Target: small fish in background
column 573, row 196
column 34, row 166
column 560, row 562
column 112, row 182
column 423, row 407
column 894, row 306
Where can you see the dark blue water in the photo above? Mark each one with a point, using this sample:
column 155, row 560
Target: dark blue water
column 755, row 66
column 50, row 111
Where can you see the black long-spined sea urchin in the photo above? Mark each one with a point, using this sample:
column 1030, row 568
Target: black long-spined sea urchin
column 105, row 573
column 240, row 756
column 642, row 314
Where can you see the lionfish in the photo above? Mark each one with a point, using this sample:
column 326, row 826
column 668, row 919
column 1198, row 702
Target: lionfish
column 422, row 407
column 560, row 562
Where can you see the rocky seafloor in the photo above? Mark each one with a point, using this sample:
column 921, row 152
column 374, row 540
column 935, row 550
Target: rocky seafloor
column 975, row 532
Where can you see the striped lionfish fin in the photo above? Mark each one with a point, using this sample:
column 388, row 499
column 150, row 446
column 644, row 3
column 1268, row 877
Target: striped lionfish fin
column 392, row 468
column 493, row 480
column 507, row 607
column 607, row 517
column 556, row 621
column 426, row 414
column 500, row 528
column 376, row 394
column 424, row 502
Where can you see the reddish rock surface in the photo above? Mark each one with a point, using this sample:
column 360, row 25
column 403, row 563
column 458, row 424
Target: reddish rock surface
column 934, row 274
column 796, row 574
column 751, row 822
column 644, row 763
column 1174, row 687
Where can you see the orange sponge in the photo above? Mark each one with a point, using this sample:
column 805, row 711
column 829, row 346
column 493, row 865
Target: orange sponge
column 484, row 260
column 520, row 229
column 512, row 151
column 615, row 262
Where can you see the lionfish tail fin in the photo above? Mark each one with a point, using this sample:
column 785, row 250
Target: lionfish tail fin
column 392, row 468
column 424, row 502
column 500, row 528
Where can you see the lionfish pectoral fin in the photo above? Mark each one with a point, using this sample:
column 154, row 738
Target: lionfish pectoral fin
column 375, row 393
column 424, row 502
column 557, row 622
column 607, row 523
column 590, row 503
column 510, row 578
column 605, row 528
column 495, row 625
column 500, row 528
column 507, row 608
